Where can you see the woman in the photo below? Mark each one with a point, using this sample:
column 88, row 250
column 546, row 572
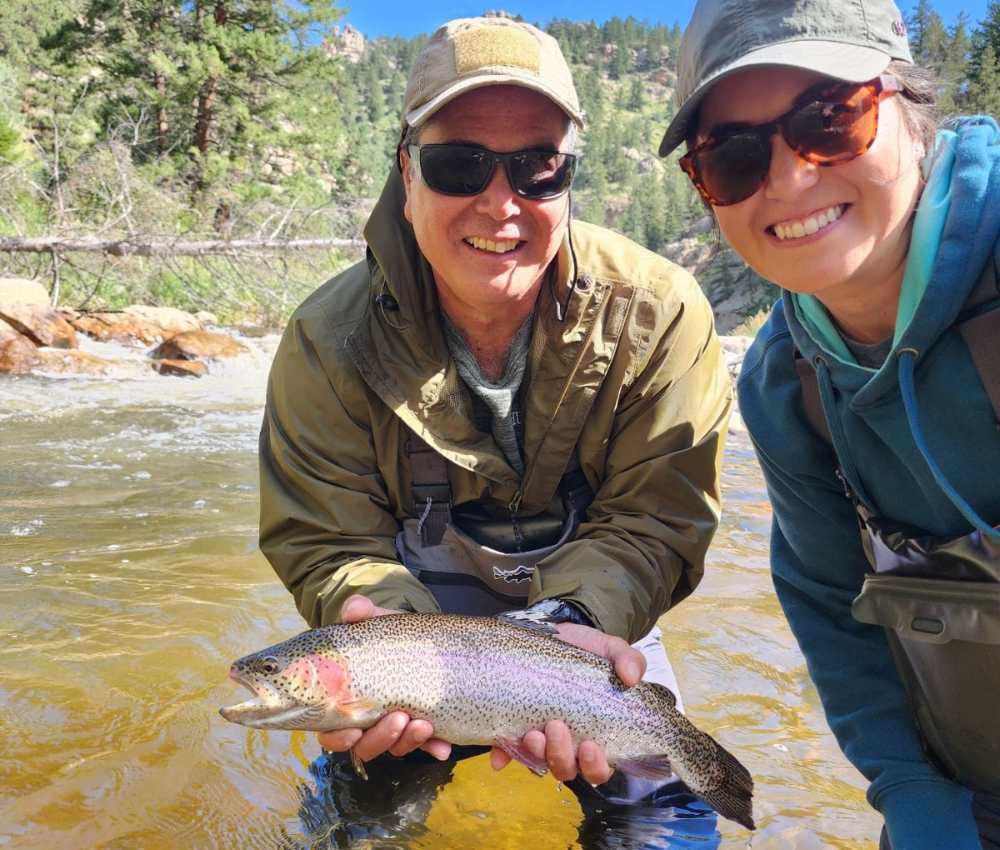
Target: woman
column 812, row 136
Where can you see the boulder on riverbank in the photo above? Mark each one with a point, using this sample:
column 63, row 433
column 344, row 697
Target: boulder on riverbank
column 36, row 338
column 25, row 306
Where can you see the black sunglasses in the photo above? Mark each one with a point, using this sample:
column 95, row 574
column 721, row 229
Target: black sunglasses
column 829, row 125
column 466, row 170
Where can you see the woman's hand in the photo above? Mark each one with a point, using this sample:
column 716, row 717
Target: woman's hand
column 554, row 745
column 395, row 733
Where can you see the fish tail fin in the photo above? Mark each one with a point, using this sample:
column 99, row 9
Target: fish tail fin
column 733, row 797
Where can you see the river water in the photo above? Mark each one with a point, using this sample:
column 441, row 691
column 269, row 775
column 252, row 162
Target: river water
column 130, row 579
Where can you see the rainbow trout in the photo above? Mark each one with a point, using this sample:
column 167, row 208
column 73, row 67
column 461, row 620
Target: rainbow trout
column 484, row 681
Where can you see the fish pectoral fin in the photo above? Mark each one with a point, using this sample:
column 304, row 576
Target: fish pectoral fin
column 358, row 765
column 536, row 765
column 645, row 767
column 360, row 711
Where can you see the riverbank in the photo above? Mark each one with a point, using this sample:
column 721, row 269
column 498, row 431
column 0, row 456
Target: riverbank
column 35, row 339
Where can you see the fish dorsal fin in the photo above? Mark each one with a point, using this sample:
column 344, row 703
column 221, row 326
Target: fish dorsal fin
column 663, row 692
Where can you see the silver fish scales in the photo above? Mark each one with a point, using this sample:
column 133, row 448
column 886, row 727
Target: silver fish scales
column 487, row 682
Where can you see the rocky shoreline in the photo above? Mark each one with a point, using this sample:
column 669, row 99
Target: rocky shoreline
column 34, row 338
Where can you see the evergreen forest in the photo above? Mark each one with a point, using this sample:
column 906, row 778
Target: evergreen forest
column 225, row 155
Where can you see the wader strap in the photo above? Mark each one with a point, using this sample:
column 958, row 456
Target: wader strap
column 575, row 490
column 810, row 397
column 979, row 325
column 431, row 489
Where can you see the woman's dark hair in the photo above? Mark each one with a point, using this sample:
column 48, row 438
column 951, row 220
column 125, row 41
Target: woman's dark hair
column 919, row 103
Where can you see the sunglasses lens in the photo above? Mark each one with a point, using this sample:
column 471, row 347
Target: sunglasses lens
column 536, row 175
column 835, row 128
column 734, row 168
column 455, row 170
column 462, row 170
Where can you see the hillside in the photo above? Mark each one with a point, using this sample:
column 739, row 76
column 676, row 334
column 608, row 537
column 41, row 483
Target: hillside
column 161, row 122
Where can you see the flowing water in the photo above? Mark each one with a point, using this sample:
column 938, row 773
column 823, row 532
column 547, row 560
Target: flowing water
column 130, row 578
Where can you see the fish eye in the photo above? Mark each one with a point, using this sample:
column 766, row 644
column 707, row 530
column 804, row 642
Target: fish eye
column 269, row 666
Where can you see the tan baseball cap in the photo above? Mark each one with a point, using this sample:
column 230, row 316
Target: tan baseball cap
column 470, row 53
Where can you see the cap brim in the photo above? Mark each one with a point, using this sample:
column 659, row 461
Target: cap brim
column 418, row 116
column 847, row 62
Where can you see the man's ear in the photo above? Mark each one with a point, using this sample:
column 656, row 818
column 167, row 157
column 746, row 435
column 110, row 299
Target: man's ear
column 403, row 163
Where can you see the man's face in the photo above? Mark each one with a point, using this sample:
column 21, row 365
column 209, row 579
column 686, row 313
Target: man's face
column 492, row 249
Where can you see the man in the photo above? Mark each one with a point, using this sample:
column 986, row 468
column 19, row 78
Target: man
column 497, row 408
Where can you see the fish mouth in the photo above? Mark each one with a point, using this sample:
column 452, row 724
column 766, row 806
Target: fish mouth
column 264, row 692
column 267, row 709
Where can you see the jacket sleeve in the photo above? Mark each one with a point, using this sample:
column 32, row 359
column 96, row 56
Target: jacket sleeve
column 317, row 487
column 656, row 502
column 818, row 566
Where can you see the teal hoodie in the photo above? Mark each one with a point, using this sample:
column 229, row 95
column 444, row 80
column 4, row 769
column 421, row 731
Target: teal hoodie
column 936, row 468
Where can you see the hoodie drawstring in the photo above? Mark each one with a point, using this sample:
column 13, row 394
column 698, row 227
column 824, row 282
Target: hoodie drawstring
column 907, row 357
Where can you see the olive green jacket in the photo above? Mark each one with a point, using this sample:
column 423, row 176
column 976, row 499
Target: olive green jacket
column 634, row 378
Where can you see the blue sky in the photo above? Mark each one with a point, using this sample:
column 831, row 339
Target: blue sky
column 375, row 18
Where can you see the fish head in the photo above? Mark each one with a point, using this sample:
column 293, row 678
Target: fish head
column 292, row 682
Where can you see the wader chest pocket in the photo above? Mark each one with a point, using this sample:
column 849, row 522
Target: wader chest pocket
column 945, row 637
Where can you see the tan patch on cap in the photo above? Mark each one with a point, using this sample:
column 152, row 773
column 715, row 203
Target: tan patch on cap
column 485, row 46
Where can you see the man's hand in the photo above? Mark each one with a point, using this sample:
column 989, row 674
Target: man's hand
column 395, row 733
column 555, row 745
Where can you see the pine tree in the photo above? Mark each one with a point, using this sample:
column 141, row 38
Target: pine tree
column 986, row 34
column 198, row 80
column 954, row 68
column 984, row 91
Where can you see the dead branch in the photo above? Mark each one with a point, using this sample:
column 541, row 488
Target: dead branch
column 134, row 248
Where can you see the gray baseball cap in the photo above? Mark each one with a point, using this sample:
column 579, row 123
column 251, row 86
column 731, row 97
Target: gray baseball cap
column 470, row 53
column 850, row 40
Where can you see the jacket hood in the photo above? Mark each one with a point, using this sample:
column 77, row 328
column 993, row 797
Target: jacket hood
column 405, row 273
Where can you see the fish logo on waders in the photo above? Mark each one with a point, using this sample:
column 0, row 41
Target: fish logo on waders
column 516, row 576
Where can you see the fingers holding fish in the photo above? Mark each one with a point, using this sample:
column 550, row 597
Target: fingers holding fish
column 593, row 763
column 629, row 663
column 358, row 608
column 565, row 763
column 554, row 748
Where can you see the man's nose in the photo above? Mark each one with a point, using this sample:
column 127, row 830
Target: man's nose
column 498, row 199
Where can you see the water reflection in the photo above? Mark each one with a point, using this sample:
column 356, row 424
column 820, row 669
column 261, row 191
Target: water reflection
column 130, row 578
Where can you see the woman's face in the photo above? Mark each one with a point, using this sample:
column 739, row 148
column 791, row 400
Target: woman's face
column 837, row 232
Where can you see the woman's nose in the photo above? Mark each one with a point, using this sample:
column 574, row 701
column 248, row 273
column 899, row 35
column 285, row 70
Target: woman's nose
column 788, row 173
